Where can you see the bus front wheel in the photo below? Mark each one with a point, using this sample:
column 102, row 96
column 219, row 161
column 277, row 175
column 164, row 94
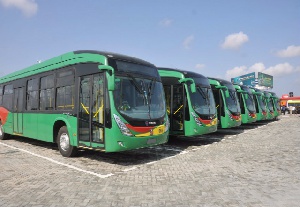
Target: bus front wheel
column 2, row 134
column 63, row 142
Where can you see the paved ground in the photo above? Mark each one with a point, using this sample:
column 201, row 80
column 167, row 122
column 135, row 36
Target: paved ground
column 252, row 165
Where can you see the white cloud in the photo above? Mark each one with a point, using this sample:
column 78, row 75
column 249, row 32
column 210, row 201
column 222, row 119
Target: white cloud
column 236, row 71
column 165, row 22
column 199, row 66
column 28, row 7
column 278, row 70
column 188, row 41
column 235, row 41
column 290, row 51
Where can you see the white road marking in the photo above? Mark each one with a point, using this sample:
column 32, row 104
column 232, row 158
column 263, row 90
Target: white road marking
column 168, row 148
column 59, row 163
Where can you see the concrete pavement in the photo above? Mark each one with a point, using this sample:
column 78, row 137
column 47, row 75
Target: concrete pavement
column 252, row 165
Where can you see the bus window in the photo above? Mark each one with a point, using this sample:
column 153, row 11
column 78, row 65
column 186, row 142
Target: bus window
column 32, row 94
column 8, row 97
column 47, row 93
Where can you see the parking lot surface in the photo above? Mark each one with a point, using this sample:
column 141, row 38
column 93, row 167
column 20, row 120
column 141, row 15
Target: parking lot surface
column 253, row 165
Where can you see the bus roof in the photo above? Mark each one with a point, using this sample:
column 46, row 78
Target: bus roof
column 218, row 81
column 221, row 81
column 116, row 56
column 71, row 58
column 177, row 73
column 184, row 72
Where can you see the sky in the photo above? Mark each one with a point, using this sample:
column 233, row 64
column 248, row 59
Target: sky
column 216, row 38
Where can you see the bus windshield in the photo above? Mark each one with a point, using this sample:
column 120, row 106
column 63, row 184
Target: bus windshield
column 203, row 101
column 138, row 97
column 270, row 105
column 261, row 103
column 232, row 102
column 250, row 103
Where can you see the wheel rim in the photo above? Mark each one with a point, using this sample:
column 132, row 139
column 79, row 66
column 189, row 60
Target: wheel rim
column 64, row 141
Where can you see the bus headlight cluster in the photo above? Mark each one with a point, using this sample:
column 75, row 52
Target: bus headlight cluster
column 198, row 122
column 122, row 126
column 230, row 115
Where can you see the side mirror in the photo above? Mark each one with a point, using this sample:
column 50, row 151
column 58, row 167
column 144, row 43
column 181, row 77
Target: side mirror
column 227, row 93
column 192, row 86
column 110, row 73
column 224, row 89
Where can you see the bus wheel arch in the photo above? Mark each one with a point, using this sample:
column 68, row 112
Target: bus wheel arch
column 62, row 138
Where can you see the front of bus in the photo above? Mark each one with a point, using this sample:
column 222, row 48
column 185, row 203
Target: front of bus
column 276, row 104
column 138, row 110
column 202, row 105
column 250, row 105
column 261, row 106
column 269, row 106
column 233, row 107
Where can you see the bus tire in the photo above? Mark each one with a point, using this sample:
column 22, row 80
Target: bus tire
column 3, row 135
column 63, row 142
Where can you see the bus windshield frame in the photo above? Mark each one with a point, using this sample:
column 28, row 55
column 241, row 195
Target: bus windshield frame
column 144, row 98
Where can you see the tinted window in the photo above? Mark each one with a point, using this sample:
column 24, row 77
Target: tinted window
column 32, row 94
column 7, row 97
column 65, row 98
column 137, row 68
column 65, row 78
column 47, row 93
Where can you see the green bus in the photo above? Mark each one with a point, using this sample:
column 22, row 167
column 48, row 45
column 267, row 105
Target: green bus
column 248, row 111
column 227, row 103
column 190, row 102
column 86, row 99
column 276, row 104
column 261, row 110
column 269, row 105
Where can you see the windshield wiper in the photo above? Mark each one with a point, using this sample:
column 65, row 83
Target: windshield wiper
column 135, row 83
column 151, row 88
column 232, row 96
column 205, row 96
column 202, row 94
column 138, row 88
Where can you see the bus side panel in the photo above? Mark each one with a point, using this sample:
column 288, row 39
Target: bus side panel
column 46, row 123
column 40, row 126
column 45, row 127
column 30, row 125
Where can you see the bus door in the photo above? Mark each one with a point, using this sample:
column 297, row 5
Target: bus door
column 175, row 106
column 219, row 102
column 91, row 109
column 18, row 110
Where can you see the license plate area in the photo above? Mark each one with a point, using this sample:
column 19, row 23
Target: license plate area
column 151, row 141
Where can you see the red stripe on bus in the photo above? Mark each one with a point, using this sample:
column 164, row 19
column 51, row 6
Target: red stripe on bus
column 3, row 114
column 139, row 129
column 204, row 121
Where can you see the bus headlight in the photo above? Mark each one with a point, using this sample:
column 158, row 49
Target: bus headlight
column 196, row 119
column 122, row 126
